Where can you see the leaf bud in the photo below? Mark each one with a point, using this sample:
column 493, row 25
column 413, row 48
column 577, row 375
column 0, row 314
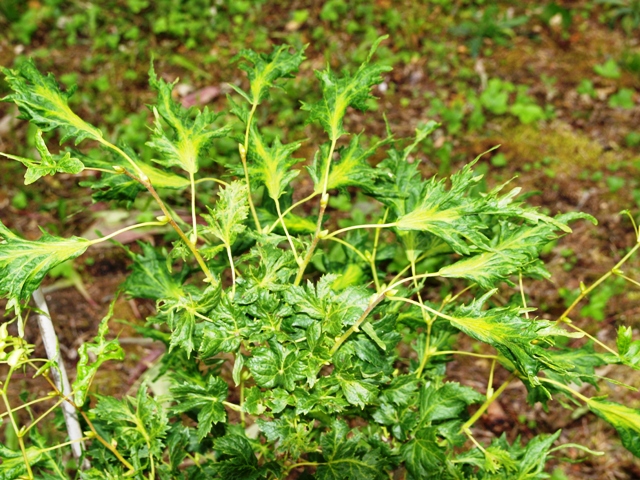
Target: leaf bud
column 163, row 219
column 243, row 151
column 323, row 233
column 119, row 169
column 324, row 201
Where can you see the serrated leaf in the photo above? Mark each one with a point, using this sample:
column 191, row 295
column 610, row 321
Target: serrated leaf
column 230, row 211
column 289, row 433
column 139, row 424
column 191, row 132
column 340, row 93
column 49, row 164
column 401, row 390
column 515, row 249
column 319, row 301
column 228, row 327
column 92, row 355
column 276, row 365
column 266, row 69
column 358, row 392
column 369, row 330
column 41, row 101
column 623, row 341
column 342, row 460
column 151, row 278
column 24, row 263
column 422, row 456
column 271, row 165
column 624, row 419
column 205, row 398
column 13, row 461
column 446, row 402
column 352, row 170
column 238, row 460
column 510, row 334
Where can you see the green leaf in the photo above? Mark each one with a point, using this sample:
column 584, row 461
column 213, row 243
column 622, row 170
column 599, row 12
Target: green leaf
column 230, row 211
column 356, row 391
column 205, row 398
column 191, row 136
column 49, row 164
column 514, row 249
column 92, row 355
column 151, row 278
column 290, row 434
column 139, row 424
column 624, row 419
column 447, row 402
column 352, row 170
column 422, row 455
column 226, row 330
column 342, row 459
column 510, row 334
column 449, row 214
column 40, row 101
column 271, row 166
column 264, row 70
column 623, row 341
column 340, row 93
column 276, row 366
column 13, row 462
column 237, row 459
column 24, row 263
column 320, row 302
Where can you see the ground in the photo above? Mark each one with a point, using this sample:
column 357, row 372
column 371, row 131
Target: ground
column 580, row 155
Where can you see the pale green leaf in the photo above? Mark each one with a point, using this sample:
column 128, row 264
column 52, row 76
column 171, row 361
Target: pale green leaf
column 230, row 211
column 625, row 420
column 357, row 391
column 151, row 278
column 49, row 164
column 271, row 166
column 24, row 263
column 340, row 93
column 191, row 129
column 422, row 456
column 266, row 69
column 41, row 101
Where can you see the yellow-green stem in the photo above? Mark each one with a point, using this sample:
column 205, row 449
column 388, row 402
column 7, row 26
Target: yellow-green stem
column 211, row 179
column 587, row 291
column 372, row 257
column 286, row 232
column 105, row 443
column 524, row 299
column 350, row 247
column 243, row 157
column 357, row 227
column 194, row 235
column 485, row 405
column 591, row 337
column 126, row 229
column 124, row 155
column 324, row 200
column 460, row 352
column 19, row 435
column 233, row 270
column 567, row 389
column 288, row 210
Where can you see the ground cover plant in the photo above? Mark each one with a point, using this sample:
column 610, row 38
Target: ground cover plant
column 301, row 344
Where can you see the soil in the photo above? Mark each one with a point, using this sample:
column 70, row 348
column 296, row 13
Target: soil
column 586, row 136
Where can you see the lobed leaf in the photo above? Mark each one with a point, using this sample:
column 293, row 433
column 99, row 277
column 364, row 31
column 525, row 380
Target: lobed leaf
column 231, row 210
column 49, row 164
column 92, row 355
column 24, row 263
column 191, row 136
column 205, row 398
column 340, row 93
column 276, row 365
column 624, row 419
column 264, row 70
column 41, row 101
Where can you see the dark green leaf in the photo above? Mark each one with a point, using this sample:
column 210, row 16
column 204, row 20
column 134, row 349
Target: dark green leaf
column 446, row 402
column 151, row 278
column 276, row 366
column 238, row 460
column 422, row 455
column 289, row 433
column 356, row 391
column 206, row 399
column 100, row 350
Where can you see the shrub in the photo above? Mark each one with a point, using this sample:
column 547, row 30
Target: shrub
column 293, row 345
